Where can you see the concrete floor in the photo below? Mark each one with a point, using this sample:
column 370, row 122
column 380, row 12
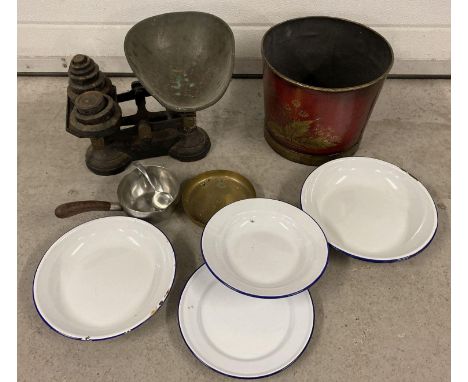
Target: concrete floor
column 374, row 322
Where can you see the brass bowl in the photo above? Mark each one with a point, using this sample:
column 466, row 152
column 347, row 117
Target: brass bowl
column 206, row 193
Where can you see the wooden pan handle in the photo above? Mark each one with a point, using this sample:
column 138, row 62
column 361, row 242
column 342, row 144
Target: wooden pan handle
column 73, row 208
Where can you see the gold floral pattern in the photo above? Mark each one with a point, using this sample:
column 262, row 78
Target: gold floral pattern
column 308, row 133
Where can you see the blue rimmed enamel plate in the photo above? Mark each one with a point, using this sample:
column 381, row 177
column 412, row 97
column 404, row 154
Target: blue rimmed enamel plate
column 242, row 336
column 264, row 248
column 104, row 278
column 370, row 209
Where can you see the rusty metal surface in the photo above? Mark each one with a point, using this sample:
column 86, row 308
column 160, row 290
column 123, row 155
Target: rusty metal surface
column 118, row 139
column 192, row 75
column 84, row 75
column 95, row 115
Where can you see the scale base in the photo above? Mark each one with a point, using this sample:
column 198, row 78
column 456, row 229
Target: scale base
column 192, row 146
column 106, row 161
column 114, row 158
column 117, row 140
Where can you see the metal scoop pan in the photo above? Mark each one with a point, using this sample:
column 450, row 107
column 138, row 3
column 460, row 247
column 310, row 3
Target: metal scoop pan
column 134, row 195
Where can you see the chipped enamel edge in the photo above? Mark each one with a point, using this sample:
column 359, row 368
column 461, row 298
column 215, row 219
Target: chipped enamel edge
column 102, row 338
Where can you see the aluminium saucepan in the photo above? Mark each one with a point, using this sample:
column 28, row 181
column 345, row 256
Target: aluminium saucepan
column 134, row 195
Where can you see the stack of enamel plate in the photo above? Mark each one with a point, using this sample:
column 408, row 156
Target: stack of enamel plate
column 247, row 313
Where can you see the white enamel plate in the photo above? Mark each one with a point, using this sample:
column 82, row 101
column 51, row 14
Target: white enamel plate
column 104, row 278
column 242, row 336
column 264, row 248
column 370, row 209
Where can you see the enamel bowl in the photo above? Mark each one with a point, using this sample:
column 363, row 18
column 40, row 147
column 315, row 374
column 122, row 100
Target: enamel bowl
column 104, row 278
column 241, row 336
column 370, row 209
column 264, row 248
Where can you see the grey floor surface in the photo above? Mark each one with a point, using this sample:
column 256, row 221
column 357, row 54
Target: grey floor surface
column 374, row 322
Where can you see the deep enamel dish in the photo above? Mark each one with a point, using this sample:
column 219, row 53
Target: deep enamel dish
column 264, row 248
column 370, row 209
column 104, row 278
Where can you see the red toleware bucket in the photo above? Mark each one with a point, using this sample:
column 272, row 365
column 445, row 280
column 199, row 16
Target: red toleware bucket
column 321, row 78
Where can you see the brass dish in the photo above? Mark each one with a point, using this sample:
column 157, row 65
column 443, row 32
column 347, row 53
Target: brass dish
column 206, row 193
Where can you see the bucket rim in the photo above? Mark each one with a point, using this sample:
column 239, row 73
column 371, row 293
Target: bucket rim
column 325, row 89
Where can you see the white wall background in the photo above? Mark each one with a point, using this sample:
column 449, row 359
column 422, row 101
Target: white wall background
column 50, row 32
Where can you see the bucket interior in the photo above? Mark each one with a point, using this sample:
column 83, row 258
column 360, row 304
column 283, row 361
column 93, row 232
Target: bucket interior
column 326, row 52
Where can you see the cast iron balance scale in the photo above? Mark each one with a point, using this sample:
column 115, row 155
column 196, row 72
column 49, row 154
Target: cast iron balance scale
column 184, row 60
